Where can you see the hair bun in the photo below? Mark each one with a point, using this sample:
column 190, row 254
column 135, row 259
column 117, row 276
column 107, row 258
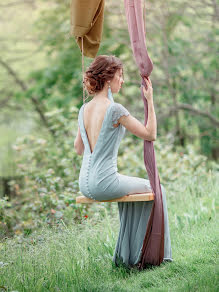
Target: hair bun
column 102, row 69
column 91, row 83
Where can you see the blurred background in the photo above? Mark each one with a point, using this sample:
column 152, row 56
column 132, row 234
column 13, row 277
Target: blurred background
column 41, row 93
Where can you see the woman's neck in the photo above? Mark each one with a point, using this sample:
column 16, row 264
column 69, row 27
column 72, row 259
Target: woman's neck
column 103, row 94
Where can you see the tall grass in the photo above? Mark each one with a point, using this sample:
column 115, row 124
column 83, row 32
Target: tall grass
column 79, row 257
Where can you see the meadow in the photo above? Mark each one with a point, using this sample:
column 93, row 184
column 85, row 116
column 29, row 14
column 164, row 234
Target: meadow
column 79, row 257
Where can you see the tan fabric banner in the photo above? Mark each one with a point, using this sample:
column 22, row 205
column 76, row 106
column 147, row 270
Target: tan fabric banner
column 87, row 18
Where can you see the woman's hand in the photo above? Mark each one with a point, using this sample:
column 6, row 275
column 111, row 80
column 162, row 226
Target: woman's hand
column 148, row 93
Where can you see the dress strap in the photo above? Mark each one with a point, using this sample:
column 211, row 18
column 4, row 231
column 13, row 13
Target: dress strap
column 82, row 128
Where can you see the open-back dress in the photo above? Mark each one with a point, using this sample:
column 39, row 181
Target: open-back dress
column 99, row 180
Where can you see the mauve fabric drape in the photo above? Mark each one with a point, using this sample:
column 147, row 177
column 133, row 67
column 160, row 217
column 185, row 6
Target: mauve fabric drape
column 153, row 246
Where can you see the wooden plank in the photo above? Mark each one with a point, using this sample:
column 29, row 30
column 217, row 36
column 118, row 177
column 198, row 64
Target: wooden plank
column 128, row 198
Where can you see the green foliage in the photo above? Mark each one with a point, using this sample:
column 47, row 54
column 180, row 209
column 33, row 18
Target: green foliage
column 61, row 82
column 51, row 167
column 185, row 66
column 172, row 162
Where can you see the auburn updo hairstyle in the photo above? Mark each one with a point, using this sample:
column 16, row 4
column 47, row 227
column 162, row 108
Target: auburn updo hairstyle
column 102, row 69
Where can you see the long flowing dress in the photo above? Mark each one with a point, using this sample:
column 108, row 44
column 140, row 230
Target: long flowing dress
column 99, row 180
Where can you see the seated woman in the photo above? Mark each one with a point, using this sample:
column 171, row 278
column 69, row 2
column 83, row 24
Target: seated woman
column 102, row 124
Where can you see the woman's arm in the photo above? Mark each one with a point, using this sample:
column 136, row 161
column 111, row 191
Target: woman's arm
column 148, row 132
column 78, row 143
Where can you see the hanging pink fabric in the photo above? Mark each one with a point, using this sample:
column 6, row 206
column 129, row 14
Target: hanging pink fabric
column 153, row 246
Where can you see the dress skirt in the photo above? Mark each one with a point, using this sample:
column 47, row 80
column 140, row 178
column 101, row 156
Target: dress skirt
column 133, row 218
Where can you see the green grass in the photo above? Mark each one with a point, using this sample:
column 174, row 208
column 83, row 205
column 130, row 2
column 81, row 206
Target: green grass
column 79, row 258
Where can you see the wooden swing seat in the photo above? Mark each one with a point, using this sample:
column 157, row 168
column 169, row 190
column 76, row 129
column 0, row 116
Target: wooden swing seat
column 127, row 198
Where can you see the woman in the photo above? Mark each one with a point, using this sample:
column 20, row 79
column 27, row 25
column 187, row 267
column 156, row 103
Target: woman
column 102, row 124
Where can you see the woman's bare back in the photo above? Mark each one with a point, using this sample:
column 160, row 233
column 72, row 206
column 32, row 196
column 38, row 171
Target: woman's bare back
column 94, row 113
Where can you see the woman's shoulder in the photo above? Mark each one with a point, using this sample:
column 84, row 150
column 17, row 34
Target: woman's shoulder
column 80, row 111
column 118, row 110
column 118, row 107
column 82, row 107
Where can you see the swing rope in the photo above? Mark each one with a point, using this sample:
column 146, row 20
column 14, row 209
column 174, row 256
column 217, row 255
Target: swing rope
column 82, row 62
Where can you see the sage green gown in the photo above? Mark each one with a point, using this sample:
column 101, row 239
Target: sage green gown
column 99, row 179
